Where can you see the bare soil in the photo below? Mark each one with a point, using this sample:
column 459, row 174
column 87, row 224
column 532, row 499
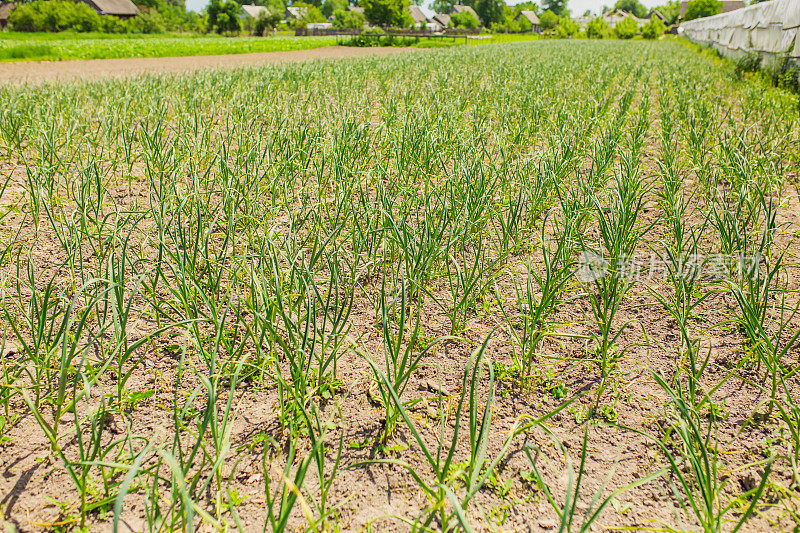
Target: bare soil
column 45, row 71
column 32, row 482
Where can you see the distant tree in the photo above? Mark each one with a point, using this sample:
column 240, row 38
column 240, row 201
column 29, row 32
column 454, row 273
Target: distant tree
column 168, row 14
column 548, row 20
column 351, row 20
column 311, row 13
column 566, row 28
column 54, row 16
column 223, row 17
column 464, row 20
column 444, row 6
column 275, row 6
column 671, row 11
column 626, row 28
column 653, row 29
column 160, row 4
column 387, row 12
column 634, row 7
column 597, row 28
column 559, row 7
column 266, row 21
column 489, row 11
column 697, row 9
column 147, row 22
column 527, row 6
column 331, row 6
column 510, row 23
column 521, row 25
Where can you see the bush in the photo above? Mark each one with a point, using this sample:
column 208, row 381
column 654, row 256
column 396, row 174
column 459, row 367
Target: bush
column 597, row 28
column 53, row 16
column 312, row 14
column 747, row 63
column 489, row 11
column 370, row 37
column 566, row 28
column 548, row 20
column 349, row 20
column 786, row 74
column 696, row 9
column 653, row 29
column 464, row 20
column 224, row 17
column 634, row 7
column 172, row 15
column 330, row 7
column 386, row 13
column 71, row 15
column 265, row 22
column 626, row 28
column 147, row 22
column 521, row 25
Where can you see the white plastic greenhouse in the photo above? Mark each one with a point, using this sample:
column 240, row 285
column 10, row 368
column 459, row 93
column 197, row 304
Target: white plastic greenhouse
column 768, row 28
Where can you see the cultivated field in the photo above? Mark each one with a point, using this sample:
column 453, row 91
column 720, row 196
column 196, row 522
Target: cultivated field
column 514, row 287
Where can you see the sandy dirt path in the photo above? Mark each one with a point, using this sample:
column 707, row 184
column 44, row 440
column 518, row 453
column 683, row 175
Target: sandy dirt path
column 44, row 71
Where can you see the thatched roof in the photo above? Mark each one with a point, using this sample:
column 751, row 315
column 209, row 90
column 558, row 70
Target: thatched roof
column 295, row 12
column 531, row 16
column 458, row 8
column 6, row 9
column 253, row 10
column 657, row 14
column 443, row 19
column 120, row 8
column 417, row 14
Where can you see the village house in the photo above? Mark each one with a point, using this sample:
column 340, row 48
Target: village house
column 123, row 9
column 5, row 12
column 616, row 16
column 536, row 26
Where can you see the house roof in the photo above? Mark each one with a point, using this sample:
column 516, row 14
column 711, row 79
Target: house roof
column 657, row 14
column 417, row 14
column 617, row 15
column 727, row 6
column 357, row 9
column 530, row 15
column 114, row 7
column 6, row 9
column 295, row 12
column 253, row 10
column 458, row 8
column 442, row 18
column 428, row 12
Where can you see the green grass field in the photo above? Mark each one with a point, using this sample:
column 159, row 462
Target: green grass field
column 67, row 45
column 58, row 47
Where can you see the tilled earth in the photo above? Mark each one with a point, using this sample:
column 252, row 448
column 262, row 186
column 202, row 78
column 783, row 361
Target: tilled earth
column 635, row 411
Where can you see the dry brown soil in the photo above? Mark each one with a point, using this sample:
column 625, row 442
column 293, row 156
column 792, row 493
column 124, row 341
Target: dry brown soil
column 43, row 71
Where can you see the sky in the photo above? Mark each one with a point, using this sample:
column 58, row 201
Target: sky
column 576, row 6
